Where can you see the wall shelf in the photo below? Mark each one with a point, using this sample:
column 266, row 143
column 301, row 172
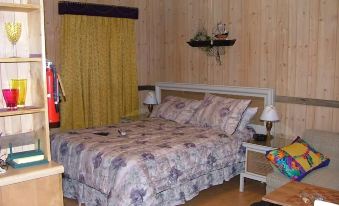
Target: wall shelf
column 228, row 42
column 18, row 7
column 20, row 111
column 20, row 60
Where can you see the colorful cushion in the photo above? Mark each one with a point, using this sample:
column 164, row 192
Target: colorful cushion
column 297, row 159
column 176, row 109
column 247, row 117
column 220, row 112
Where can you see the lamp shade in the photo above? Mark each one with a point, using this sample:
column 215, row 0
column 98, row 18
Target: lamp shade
column 150, row 98
column 270, row 114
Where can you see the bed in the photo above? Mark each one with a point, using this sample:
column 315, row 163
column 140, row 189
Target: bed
column 157, row 161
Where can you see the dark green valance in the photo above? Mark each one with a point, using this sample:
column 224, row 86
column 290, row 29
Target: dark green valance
column 88, row 9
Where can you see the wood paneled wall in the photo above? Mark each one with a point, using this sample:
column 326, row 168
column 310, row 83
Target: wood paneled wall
column 289, row 45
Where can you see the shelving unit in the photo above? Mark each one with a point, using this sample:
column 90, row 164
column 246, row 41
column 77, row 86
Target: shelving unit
column 33, row 118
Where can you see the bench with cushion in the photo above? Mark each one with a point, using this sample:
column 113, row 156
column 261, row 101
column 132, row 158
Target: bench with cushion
column 328, row 177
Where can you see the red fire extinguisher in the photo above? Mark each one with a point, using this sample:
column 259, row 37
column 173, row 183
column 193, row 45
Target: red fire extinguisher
column 52, row 95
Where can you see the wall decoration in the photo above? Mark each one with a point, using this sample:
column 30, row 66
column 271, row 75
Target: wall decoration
column 213, row 46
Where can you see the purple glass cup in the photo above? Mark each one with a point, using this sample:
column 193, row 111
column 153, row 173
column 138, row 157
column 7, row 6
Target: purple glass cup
column 11, row 98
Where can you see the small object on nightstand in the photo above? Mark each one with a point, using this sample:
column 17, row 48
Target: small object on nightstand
column 260, row 137
column 269, row 115
column 150, row 100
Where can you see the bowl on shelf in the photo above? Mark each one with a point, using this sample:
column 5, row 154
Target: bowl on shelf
column 221, row 36
column 11, row 98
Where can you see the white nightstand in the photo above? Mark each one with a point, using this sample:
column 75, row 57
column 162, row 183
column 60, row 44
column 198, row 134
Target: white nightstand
column 256, row 165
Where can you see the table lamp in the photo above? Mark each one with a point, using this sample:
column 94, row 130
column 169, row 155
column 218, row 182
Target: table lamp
column 269, row 115
column 150, row 100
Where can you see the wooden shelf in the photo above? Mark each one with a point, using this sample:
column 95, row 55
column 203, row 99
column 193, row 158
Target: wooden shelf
column 13, row 176
column 228, row 42
column 20, row 111
column 18, row 7
column 18, row 140
column 37, row 184
column 20, row 60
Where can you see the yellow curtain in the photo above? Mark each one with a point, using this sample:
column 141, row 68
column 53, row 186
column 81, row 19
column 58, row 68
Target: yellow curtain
column 98, row 69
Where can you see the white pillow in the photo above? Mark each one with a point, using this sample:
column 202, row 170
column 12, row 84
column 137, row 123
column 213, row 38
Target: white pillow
column 247, row 117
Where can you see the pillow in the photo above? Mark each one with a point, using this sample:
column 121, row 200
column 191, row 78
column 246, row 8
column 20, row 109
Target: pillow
column 297, row 159
column 247, row 117
column 176, row 109
column 220, row 112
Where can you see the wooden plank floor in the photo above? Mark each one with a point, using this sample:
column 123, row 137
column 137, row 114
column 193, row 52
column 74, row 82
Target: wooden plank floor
column 225, row 194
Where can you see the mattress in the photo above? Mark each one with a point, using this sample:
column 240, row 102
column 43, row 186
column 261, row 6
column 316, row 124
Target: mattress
column 147, row 162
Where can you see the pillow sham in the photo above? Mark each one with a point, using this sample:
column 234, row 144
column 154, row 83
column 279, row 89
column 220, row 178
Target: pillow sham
column 177, row 109
column 247, row 117
column 296, row 160
column 220, row 112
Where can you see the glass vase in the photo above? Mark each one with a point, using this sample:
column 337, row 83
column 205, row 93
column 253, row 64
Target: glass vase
column 11, row 98
column 21, row 85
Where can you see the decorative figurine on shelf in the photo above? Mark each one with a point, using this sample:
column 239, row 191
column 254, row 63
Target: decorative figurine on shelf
column 13, row 31
column 220, row 31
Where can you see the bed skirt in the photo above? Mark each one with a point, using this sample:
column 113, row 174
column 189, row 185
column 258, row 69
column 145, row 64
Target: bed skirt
column 176, row 195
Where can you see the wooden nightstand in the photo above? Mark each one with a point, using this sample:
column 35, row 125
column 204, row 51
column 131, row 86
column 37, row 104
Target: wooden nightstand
column 256, row 165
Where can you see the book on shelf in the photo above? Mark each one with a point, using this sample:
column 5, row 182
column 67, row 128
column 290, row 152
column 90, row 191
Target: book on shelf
column 27, row 158
column 32, row 158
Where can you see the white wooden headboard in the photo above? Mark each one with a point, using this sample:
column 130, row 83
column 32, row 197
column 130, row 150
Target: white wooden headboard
column 266, row 93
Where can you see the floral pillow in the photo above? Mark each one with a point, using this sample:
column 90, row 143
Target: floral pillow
column 220, row 112
column 176, row 109
column 296, row 160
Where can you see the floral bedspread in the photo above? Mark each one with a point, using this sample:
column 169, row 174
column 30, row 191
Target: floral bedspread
column 157, row 162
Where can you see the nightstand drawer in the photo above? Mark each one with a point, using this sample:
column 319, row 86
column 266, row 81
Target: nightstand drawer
column 257, row 163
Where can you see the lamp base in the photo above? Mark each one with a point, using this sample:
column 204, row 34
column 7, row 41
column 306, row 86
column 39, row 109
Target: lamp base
column 150, row 108
column 268, row 128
